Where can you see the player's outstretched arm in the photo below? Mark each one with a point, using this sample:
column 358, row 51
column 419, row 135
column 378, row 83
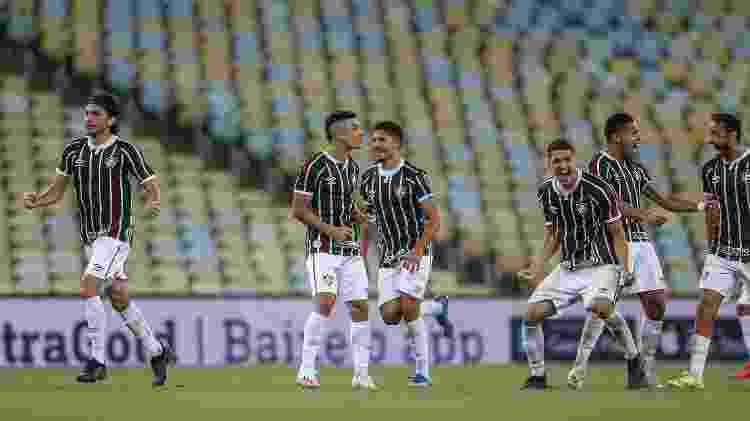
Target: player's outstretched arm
column 53, row 194
column 431, row 225
column 712, row 225
column 672, row 202
column 152, row 195
column 302, row 211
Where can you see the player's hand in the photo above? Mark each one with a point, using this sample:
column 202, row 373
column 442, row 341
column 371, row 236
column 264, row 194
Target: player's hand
column 653, row 217
column 29, row 200
column 359, row 217
column 339, row 233
column 153, row 207
column 532, row 275
column 410, row 261
column 625, row 278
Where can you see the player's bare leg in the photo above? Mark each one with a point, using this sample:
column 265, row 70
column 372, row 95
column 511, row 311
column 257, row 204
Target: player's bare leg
column 419, row 338
column 360, row 337
column 160, row 354
column 700, row 342
column 95, row 368
column 535, row 315
column 315, row 329
column 654, row 307
column 743, row 316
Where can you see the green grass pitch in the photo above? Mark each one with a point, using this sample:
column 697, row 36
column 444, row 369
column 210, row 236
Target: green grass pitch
column 480, row 393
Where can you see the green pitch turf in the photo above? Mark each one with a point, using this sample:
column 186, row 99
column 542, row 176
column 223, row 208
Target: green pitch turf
column 480, row 393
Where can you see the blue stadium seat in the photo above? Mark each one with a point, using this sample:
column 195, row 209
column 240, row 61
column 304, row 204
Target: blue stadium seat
column 121, row 72
column 314, row 120
column 360, row 7
column 312, row 40
column 153, row 95
column 179, row 7
column 194, row 241
column 520, row 15
column 520, row 156
column 279, row 14
column 281, row 104
column 462, row 194
column 149, row 8
column 549, row 20
column 440, row 70
column 117, row 17
column 371, row 41
column 54, row 8
column 223, row 114
column 470, row 80
column 339, row 32
column 245, row 48
column 259, row 142
column 154, row 40
column 672, row 241
column 279, row 72
column 424, row 19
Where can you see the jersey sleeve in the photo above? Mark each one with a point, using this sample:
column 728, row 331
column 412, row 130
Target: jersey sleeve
column 598, row 167
column 306, row 178
column 610, row 206
column 542, row 196
column 422, row 187
column 65, row 167
column 136, row 164
column 645, row 177
column 365, row 186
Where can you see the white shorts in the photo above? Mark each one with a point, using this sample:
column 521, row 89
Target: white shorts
column 727, row 277
column 565, row 288
column 343, row 276
column 107, row 257
column 395, row 282
column 645, row 265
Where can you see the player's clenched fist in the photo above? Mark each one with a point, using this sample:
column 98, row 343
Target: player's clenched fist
column 29, row 200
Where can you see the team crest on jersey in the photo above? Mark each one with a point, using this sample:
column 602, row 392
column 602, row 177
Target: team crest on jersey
column 329, row 279
column 400, row 193
column 715, row 179
column 111, row 162
column 582, row 208
column 79, row 163
column 330, row 180
column 554, row 209
column 746, row 177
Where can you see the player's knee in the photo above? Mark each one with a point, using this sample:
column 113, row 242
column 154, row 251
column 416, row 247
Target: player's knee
column 709, row 305
column 326, row 303
column 602, row 308
column 118, row 293
column 654, row 304
column 539, row 311
column 390, row 314
column 743, row 310
column 359, row 310
column 88, row 285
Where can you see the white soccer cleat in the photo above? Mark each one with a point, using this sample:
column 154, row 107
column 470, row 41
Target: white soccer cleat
column 576, row 378
column 364, row 382
column 309, row 380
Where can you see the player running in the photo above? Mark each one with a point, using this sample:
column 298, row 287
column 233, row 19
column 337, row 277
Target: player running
column 582, row 216
column 436, row 307
column 726, row 178
column 399, row 195
column 101, row 165
column 620, row 166
column 324, row 202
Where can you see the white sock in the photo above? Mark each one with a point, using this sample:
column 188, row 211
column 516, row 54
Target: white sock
column 315, row 328
column 622, row 334
column 650, row 335
column 139, row 326
column 699, row 346
column 535, row 348
column 592, row 330
column 418, row 333
column 745, row 326
column 360, row 339
column 431, row 308
column 96, row 321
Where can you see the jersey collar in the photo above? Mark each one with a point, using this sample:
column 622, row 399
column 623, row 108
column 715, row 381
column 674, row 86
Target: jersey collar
column 739, row 158
column 558, row 188
column 333, row 158
column 94, row 147
column 390, row 173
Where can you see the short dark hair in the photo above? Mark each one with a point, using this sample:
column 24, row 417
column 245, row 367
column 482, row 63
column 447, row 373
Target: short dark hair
column 110, row 104
column 616, row 122
column 392, row 128
column 560, row 145
column 335, row 117
column 729, row 122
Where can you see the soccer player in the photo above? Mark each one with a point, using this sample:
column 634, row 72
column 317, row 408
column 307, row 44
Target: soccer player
column 101, row 165
column 582, row 218
column 620, row 166
column 436, row 307
column 726, row 178
column 399, row 195
column 324, row 201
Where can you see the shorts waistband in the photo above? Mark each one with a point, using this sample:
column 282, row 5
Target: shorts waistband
column 567, row 265
column 733, row 253
column 344, row 252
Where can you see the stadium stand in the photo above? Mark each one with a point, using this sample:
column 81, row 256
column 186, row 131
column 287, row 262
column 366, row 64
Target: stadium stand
column 480, row 85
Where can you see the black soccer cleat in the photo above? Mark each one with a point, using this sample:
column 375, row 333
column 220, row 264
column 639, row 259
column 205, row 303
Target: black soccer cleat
column 535, row 383
column 160, row 363
column 92, row 372
column 637, row 378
